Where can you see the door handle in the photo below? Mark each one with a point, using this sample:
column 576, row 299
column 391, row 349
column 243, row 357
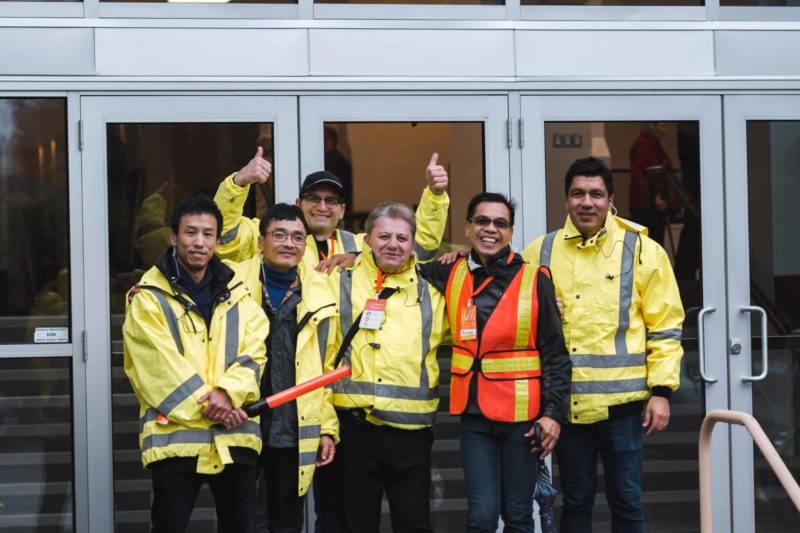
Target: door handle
column 701, row 356
column 764, row 358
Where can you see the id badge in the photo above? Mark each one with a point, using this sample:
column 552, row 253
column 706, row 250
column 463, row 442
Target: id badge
column 373, row 314
column 469, row 323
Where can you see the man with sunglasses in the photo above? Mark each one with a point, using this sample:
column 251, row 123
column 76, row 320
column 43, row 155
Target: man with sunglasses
column 510, row 369
column 322, row 202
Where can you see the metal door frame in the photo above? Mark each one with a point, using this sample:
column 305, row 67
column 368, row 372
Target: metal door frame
column 536, row 110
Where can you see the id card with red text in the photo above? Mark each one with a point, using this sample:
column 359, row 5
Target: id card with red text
column 469, row 323
column 373, row 314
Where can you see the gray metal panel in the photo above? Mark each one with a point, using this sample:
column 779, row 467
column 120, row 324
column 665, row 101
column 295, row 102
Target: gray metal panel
column 199, row 52
column 753, row 53
column 356, row 52
column 46, row 51
column 614, row 53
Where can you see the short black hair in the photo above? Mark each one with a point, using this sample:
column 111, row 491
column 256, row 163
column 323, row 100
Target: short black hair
column 492, row 198
column 196, row 205
column 281, row 211
column 589, row 167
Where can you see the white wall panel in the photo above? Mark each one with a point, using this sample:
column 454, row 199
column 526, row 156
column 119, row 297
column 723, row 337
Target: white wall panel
column 201, row 52
column 349, row 52
column 46, row 51
column 614, row 53
column 758, row 53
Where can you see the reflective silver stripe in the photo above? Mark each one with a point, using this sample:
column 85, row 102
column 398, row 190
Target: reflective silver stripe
column 248, row 428
column 177, row 396
column 423, row 254
column 308, row 432
column 547, row 249
column 348, row 241
column 322, row 339
column 306, row 458
column 169, row 315
column 608, row 361
column 400, row 417
column 150, row 415
column 625, row 290
column 609, row 387
column 426, row 312
column 247, row 362
column 197, row 436
column 394, row 392
column 666, row 334
column 229, row 236
column 231, row 335
column 345, row 321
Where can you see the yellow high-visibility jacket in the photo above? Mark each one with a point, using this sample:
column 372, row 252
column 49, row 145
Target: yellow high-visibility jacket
column 172, row 359
column 152, row 231
column 395, row 375
column 239, row 240
column 622, row 314
column 319, row 312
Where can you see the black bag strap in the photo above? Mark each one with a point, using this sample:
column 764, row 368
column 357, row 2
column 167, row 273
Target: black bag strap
column 355, row 326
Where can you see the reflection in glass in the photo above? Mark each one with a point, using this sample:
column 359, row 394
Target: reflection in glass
column 380, row 161
column 418, row 2
column 34, row 224
column 36, row 445
column 152, row 168
column 656, row 169
column 764, row 3
column 195, row 2
column 613, row 2
column 773, row 190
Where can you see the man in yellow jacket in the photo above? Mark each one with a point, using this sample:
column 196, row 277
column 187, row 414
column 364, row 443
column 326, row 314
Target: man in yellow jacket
column 622, row 319
column 194, row 353
column 322, row 202
column 392, row 322
column 303, row 316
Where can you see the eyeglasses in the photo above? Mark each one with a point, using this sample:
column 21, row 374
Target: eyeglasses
column 483, row 222
column 281, row 236
column 330, row 201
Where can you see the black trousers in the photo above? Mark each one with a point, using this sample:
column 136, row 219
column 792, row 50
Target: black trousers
column 328, row 503
column 175, row 492
column 378, row 458
column 284, row 508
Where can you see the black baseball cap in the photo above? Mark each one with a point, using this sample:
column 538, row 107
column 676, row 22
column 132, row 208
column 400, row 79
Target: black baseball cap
column 322, row 177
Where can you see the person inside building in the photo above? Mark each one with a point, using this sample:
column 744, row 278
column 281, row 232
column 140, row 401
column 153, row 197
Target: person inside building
column 302, row 311
column 509, row 367
column 337, row 164
column 622, row 320
column 194, row 351
column 322, row 202
column 391, row 323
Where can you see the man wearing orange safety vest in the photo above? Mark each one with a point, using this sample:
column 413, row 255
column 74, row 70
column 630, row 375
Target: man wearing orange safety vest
column 510, row 367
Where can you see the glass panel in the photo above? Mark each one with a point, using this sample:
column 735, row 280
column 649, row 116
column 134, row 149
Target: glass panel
column 613, row 2
column 36, row 445
column 202, row 1
column 781, row 3
column 151, row 168
column 34, row 223
column 378, row 161
column 773, row 190
column 656, row 169
column 417, row 2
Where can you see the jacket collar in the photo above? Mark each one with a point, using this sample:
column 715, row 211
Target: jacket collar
column 496, row 263
column 167, row 265
column 571, row 233
column 404, row 278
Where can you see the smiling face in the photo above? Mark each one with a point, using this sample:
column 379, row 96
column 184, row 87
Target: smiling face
column 283, row 244
column 392, row 243
column 588, row 203
column 482, row 230
column 196, row 242
column 322, row 216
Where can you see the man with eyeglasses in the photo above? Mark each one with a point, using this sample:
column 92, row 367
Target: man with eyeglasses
column 322, row 202
column 302, row 311
column 510, row 369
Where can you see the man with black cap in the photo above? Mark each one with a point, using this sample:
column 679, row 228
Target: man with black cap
column 322, row 202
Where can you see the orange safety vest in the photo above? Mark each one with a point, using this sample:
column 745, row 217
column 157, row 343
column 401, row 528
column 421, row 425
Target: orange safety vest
column 505, row 357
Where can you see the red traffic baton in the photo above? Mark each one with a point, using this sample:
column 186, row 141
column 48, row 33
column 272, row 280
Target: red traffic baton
column 280, row 398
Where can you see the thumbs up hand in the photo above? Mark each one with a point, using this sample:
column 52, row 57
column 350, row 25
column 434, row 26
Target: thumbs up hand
column 256, row 171
column 436, row 176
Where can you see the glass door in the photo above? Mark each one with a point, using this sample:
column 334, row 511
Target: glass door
column 143, row 155
column 666, row 154
column 380, row 146
column 762, row 143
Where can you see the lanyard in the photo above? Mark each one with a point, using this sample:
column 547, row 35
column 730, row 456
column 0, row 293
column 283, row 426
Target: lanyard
column 331, row 248
column 379, row 284
column 485, row 282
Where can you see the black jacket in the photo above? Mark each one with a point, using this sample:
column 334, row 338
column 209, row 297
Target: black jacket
column 556, row 365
